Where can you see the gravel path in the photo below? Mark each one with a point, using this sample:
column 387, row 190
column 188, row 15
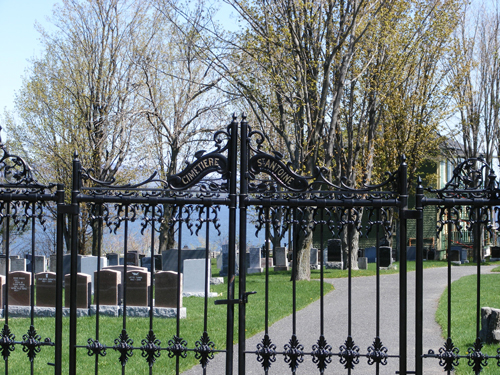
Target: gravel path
column 363, row 325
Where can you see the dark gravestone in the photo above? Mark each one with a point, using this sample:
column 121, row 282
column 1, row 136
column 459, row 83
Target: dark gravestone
column 411, row 253
column 166, row 289
column 132, row 259
column 431, row 254
column 19, row 288
column 67, row 263
column 495, row 252
column 138, row 284
column 46, row 289
column 385, row 256
column 371, row 254
column 455, row 253
column 158, row 263
column 113, row 259
column 146, row 263
column 108, row 287
column 169, row 258
column 121, row 261
column 334, row 250
column 53, row 263
column 83, row 290
column 40, row 265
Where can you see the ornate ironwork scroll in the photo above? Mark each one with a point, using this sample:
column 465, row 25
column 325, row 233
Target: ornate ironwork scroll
column 266, row 352
column 151, row 348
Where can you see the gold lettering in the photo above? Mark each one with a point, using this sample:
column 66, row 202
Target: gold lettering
column 185, row 180
column 210, row 162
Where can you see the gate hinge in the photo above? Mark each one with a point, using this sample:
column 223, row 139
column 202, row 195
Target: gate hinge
column 234, row 301
column 412, row 214
column 68, row 209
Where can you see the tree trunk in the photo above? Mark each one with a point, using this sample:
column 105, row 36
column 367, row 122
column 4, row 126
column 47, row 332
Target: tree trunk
column 303, row 241
column 167, row 235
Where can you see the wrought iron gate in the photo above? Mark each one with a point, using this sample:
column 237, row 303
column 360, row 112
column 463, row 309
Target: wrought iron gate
column 283, row 201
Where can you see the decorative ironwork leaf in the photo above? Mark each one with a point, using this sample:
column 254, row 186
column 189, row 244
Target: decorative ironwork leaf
column 151, row 348
column 31, row 343
column 322, row 354
column 204, row 350
column 476, row 359
column 294, row 353
column 7, row 341
column 123, row 345
column 377, row 353
column 266, row 352
column 349, row 354
column 448, row 355
column 94, row 347
column 177, row 347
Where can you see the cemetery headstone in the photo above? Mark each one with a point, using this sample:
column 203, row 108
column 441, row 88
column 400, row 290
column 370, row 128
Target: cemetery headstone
column 3, row 264
column 46, row 289
column 169, row 258
column 132, row 259
column 166, row 289
column 19, row 288
column 67, row 263
column 40, row 263
column 411, row 253
column 314, row 258
column 335, row 250
column 495, row 252
column 83, row 291
column 385, row 256
column 254, row 263
column 88, row 265
column 455, row 253
column 112, row 259
column 195, row 276
column 53, row 263
column 281, row 259
column 138, row 284
column 158, row 263
column 146, row 263
column 363, row 263
column 270, row 262
column 371, row 254
column 110, row 280
column 490, row 325
column 17, row 264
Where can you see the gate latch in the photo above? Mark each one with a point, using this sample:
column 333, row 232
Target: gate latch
column 234, row 301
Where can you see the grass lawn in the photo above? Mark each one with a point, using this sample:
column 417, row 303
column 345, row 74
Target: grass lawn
column 280, row 289
column 463, row 331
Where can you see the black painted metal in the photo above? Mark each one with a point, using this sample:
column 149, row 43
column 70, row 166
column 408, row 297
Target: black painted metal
column 286, row 203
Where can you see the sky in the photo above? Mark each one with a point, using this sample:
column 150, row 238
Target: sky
column 18, row 42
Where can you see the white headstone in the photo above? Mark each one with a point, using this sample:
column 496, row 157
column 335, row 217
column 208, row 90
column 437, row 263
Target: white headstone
column 195, row 277
column 89, row 266
column 18, row 264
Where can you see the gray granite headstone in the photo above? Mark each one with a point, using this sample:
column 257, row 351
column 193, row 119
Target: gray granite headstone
column 146, row 263
column 254, row 263
column 132, row 259
column 83, row 291
column 17, row 264
column 363, row 263
column 169, row 258
column 166, row 289
column 2, row 291
column 108, row 287
column 314, row 257
column 113, row 259
column 19, row 288
column 40, row 263
column 53, row 263
column 281, row 259
column 138, row 284
column 490, row 325
column 89, row 266
column 46, row 289
column 3, row 263
column 335, row 250
column 67, row 263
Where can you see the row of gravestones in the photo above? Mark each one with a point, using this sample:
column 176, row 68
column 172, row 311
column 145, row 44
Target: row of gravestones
column 110, row 281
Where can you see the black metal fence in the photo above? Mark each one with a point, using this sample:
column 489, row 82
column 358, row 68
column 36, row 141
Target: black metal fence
column 284, row 202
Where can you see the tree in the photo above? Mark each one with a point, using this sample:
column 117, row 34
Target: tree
column 80, row 94
column 181, row 92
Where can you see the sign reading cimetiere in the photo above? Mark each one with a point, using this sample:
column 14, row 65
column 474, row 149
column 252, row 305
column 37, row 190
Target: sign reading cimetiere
column 197, row 170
